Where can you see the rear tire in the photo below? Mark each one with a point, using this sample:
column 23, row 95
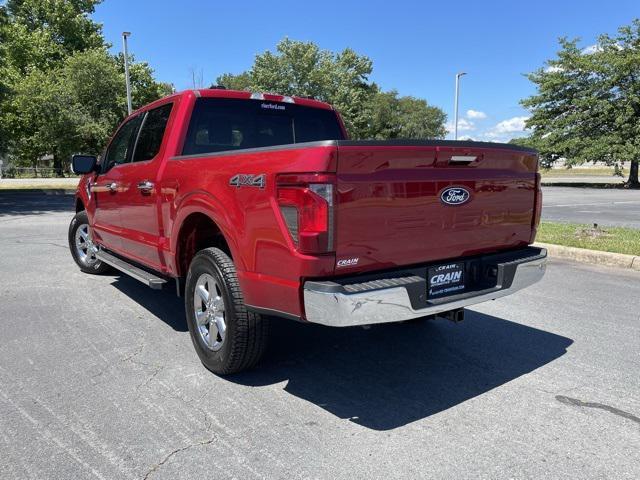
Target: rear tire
column 82, row 247
column 227, row 337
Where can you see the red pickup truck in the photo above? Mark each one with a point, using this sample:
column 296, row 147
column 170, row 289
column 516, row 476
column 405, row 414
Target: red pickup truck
column 258, row 206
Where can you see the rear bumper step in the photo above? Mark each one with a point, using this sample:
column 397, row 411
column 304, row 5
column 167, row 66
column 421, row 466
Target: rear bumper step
column 402, row 295
column 148, row 278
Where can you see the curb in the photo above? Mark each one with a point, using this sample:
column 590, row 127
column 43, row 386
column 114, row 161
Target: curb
column 42, row 191
column 608, row 186
column 593, row 257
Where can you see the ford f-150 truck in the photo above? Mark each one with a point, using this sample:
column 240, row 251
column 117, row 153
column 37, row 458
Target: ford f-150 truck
column 258, row 206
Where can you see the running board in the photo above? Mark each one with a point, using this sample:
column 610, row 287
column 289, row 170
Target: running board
column 149, row 279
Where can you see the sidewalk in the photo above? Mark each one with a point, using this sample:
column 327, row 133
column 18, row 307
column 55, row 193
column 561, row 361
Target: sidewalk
column 38, row 183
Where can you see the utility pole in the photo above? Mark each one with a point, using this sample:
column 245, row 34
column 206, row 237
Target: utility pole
column 455, row 108
column 126, row 70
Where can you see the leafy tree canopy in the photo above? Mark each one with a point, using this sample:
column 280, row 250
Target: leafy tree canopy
column 587, row 107
column 341, row 79
column 60, row 90
column 40, row 33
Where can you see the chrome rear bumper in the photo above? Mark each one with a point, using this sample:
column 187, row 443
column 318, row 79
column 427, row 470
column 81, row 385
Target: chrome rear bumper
column 338, row 305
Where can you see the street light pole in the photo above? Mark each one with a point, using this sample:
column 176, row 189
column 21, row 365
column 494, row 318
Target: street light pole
column 455, row 108
column 126, row 70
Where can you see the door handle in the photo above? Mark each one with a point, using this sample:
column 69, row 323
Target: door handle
column 105, row 187
column 145, row 186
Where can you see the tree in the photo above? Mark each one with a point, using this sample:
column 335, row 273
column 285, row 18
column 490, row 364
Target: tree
column 75, row 107
column 41, row 33
column 235, row 82
column 4, row 74
column 587, row 107
column 341, row 79
column 60, row 90
column 405, row 117
column 59, row 113
column 303, row 69
column 144, row 88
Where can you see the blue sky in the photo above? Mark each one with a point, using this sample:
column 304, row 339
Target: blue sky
column 416, row 47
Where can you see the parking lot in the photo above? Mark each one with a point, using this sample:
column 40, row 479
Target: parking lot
column 612, row 207
column 98, row 379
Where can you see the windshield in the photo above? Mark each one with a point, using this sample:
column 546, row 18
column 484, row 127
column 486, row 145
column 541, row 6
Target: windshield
column 220, row 124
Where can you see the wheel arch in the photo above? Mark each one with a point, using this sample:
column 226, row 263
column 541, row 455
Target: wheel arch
column 199, row 229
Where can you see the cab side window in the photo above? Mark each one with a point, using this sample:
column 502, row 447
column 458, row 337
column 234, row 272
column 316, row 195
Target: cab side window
column 151, row 133
column 121, row 147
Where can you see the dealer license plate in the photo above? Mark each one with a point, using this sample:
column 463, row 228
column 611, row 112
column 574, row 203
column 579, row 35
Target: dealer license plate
column 445, row 280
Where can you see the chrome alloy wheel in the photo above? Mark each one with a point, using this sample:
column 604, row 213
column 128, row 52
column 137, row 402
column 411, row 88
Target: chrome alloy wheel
column 208, row 306
column 85, row 248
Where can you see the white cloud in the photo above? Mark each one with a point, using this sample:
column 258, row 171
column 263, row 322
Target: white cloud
column 511, row 125
column 591, row 49
column 476, row 115
column 553, row 69
column 464, row 125
column 595, row 48
column 506, row 130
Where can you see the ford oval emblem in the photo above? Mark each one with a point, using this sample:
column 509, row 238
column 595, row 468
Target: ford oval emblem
column 455, row 195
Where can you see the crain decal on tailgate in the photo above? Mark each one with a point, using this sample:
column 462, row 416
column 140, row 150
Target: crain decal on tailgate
column 244, row 180
column 348, row 262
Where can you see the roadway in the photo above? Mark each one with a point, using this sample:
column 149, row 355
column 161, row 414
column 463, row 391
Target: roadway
column 612, row 207
column 98, row 379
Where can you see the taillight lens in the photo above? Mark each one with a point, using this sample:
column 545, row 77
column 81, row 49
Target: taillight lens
column 537, row 209
column 306, row 204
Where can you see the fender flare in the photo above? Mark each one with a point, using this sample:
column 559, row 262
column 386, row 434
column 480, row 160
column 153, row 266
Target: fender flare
column 203, row 202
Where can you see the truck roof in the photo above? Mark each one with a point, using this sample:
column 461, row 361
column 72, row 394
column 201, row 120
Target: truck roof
column 273, row 97
column 243, row 94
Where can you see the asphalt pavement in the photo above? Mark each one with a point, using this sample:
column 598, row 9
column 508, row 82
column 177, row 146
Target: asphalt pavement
column 611, row 207
column 98, row 379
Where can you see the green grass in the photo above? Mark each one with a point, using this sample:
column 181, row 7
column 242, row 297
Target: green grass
column 577, row 172
column 606, row 239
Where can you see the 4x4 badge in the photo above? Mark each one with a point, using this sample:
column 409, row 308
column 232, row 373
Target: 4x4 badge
column 248, row 180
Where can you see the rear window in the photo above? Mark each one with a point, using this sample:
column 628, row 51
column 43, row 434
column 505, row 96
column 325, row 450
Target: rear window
column 221, row 124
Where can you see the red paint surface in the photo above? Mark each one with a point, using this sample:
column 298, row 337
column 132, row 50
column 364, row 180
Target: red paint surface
column 388, row 210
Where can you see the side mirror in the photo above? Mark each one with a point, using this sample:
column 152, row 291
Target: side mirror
column 81, row 164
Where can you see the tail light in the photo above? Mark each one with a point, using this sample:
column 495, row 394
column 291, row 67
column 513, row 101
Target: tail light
column 306, row 203
column 537, row 209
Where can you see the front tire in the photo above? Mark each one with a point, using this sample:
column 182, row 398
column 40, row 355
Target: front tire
column 227, row 337
column 83, row 250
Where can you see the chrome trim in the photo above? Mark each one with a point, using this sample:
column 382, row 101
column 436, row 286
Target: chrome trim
column 145, row 186
column 148, row 278
column 104, row 188
column 393, row 304
column 463, row 158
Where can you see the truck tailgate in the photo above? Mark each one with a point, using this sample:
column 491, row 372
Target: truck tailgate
column 395, row 205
